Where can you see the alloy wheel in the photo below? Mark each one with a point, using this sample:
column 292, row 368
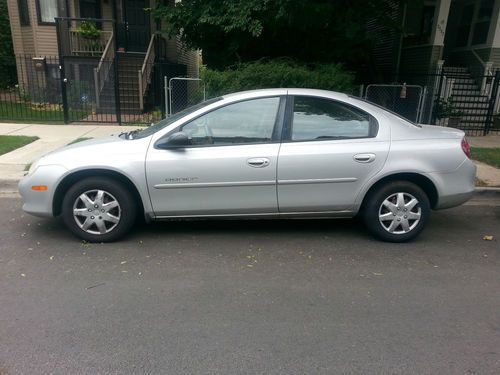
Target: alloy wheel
column 96, row 211
column 400, row 213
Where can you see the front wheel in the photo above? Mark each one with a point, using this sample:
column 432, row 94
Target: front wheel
column 98, row 209
column 397, row 211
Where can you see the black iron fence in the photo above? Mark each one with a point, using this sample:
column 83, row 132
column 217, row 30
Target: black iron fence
column 455, row 98
column 36, row 93
column 92, row 90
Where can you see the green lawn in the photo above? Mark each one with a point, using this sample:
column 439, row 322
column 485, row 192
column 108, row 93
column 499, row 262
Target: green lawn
column 489, row 156
column 26, row 112
column 11, row 142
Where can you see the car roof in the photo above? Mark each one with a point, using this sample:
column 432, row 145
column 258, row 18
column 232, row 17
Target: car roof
column 285, row 91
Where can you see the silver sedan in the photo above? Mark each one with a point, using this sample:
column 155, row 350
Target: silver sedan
column 276, row 153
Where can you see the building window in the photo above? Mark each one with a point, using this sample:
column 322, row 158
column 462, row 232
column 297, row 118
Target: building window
column 482, row 22
column 47, row 11
column 464, row 26
column 24, row 16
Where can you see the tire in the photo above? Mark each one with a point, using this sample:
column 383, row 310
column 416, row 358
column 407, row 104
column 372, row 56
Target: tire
column 99, row 209
column 385, row 216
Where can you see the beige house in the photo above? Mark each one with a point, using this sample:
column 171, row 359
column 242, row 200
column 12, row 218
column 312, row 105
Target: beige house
column 101, row 49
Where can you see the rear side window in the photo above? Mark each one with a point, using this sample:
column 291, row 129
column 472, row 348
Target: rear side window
column 321, row 119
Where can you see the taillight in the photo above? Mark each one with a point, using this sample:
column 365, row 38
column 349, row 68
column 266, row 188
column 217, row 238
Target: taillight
column 466, row 147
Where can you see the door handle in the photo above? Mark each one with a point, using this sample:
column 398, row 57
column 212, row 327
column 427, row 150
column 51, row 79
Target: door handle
column 364, row 158
column 258, row 162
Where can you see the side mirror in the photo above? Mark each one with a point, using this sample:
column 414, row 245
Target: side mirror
column 176, row 140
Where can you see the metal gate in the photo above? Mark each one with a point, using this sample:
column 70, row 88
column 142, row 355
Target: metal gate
column 184, row 92
column 405, row 100
column 467, row 101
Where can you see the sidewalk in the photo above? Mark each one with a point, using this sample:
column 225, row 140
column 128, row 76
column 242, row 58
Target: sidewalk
column 486, row 173
column 52, row 137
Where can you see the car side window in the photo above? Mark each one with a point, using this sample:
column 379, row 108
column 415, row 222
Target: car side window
column 250, row 121
column 319, row 118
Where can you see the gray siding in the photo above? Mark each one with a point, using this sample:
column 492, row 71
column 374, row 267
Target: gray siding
column 495, row 57
column 420, row 59
column 385, row 46
column 467, row 58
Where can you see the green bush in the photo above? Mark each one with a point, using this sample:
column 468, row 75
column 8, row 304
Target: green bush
column 277, row 73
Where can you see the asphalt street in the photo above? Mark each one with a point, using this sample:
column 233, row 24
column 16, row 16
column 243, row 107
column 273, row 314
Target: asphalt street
column 251, row 297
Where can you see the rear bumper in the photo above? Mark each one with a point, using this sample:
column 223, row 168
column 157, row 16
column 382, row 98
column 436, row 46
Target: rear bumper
column 457, row 187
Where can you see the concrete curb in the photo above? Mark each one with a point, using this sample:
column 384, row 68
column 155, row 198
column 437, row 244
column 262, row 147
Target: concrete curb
column 488, row 192
column 8, row 185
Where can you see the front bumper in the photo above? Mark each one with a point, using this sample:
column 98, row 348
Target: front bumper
column 457, row 187
column 39, row 203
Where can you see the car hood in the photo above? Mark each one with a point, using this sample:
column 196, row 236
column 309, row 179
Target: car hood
column 107, row 151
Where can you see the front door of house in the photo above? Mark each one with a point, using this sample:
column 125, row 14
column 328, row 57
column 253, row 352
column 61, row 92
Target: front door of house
column 137, row 27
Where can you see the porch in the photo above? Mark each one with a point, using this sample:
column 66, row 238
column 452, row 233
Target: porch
column 98, row 63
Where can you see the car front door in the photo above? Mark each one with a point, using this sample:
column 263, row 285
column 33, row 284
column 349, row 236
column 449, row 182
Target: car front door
column 330, row 149
column 229, row 167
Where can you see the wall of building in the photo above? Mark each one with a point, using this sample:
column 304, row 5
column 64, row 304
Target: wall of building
column 386, row 43
column 420, row 59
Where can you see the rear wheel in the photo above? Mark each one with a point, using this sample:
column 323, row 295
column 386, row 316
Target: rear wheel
column 397, row 211
column 98, row 209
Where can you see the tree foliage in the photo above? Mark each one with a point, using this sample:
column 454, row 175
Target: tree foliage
column 277, row 73
column 230, row 31
column 7, row 62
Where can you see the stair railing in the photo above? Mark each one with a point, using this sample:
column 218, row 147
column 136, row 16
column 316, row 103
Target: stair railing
column 101, row 73
column 144, row 74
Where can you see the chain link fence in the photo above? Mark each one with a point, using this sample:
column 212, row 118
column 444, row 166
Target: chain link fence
column 184, row 92
column 405, row 100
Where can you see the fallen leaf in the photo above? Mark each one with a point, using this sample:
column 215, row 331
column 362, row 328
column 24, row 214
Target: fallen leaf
column 123, row 262
column 52, row 257
column 23, row 275
column 378, row 274
column 488, row 238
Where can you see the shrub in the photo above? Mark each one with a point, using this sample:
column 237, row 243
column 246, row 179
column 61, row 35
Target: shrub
column 277, row 73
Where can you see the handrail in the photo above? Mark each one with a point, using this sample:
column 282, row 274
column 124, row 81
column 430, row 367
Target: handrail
column 101, row 73
column 478, row 57
column 144, row 74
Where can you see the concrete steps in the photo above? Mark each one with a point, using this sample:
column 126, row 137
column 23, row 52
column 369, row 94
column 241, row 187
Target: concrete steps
column 467, row 96
column 128, row 67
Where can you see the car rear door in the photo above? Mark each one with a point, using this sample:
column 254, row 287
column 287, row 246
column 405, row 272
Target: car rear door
column 230, row 167
column 330, row 149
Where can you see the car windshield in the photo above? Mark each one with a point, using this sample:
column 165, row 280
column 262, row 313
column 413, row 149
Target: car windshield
column 170, row 120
